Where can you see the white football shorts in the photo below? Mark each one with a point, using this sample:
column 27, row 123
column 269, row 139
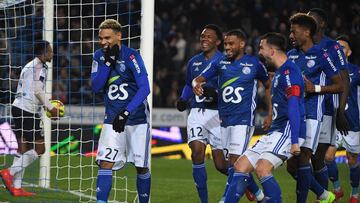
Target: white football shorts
column 204, row 125
column 131, row 146
column 236, row 138
column 274, row 147
column 327, row 130
column 312, row 134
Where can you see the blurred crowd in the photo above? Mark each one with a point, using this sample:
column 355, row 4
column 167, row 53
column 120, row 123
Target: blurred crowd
column 177, row 28
column 178, row 25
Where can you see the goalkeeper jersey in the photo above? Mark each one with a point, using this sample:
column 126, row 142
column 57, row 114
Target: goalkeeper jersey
column 120, row 84
column 32, row 76
column 315, row 65
column 237, row 88
column 194, row 67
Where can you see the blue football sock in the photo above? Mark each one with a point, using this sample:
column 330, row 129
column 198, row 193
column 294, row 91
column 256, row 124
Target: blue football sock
column 237, row 187
column 333, row 174
column 200, row 178
column 271, row 189
column 354, row 179
column 322, row 177
column 143, row 183
column 303, row 181
column 316, row 187
column 253, row 187
column 229, row 179
column 103, row 185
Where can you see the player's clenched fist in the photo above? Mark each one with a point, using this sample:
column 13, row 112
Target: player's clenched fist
column 120, row 120
column 110, row 55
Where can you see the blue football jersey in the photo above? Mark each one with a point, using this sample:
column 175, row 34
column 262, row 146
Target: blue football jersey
column 121, row 86
column 285, row 77
column 338, row 57
column 194, row 67
column 315, row 65
column 353, row 102
column 237, row 88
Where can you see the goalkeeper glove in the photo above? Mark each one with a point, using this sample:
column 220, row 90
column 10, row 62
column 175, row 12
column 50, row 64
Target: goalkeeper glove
column 211, row 97
column 181, row 104
column 110, row 55
column 120, row 121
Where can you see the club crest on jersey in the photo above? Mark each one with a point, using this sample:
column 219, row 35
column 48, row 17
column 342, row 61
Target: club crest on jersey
column 310, row 63
column 122, row 67
column 246, row 70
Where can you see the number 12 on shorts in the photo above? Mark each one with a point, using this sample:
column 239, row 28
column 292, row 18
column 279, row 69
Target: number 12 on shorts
column 196, row 132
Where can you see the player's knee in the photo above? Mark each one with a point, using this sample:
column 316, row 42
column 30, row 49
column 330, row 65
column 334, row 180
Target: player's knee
column 262, row 171
column 317, row 163
column 305, row 156
column 106, row 165
column 197, row 155
column 352, row 158
column 291, row 166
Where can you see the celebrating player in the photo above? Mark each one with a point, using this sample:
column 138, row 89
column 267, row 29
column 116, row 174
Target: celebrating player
column 238, row 74
column 315, row 65
column 287, row 131
column 327, row 129
column 120, row 72
column 350, row 141
column 203, row 123
column 26, row 110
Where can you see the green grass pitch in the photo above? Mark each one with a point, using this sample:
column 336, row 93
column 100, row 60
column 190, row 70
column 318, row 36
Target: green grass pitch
column 171, row 182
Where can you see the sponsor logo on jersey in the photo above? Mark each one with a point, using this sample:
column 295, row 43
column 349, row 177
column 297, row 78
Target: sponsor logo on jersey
column 276, row 81
column 246, row 64
column 310, row 63
column 246, row 70
column 293, row 57
column 330, row 62
column 94, row 67
column 310, row 57
column 342, row 62
column 197, row 63
column 225, row 62
column 132, row 57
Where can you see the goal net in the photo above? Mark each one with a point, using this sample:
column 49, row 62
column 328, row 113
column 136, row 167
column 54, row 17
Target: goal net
column 74, row 137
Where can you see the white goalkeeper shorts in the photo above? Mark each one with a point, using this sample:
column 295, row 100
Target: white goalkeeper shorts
column 237, row 138
column 131, row 146
column 312, row 134
column 327, row 130
column 274, row 147
column 204, row 125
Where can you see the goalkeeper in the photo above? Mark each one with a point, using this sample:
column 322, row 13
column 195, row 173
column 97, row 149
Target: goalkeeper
column 26, row 111
column 120, row 73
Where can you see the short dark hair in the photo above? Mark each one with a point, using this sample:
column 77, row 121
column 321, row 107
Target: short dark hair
column 40, row 47
column 321, row 13
column 216, row 29
column 276, row 39
column 304, row 21
column 238, row 33
column 344, row 38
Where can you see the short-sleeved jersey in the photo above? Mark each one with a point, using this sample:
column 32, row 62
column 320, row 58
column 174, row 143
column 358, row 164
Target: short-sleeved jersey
column 315, row 65
column 285, row 77
column 194, row 67
column 238, row 88
column 338, row 57
column 33, row 72
column 353, row 102
column 121, row 86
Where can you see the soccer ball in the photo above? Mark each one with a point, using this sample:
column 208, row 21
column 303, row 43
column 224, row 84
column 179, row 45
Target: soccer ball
column 58, row 104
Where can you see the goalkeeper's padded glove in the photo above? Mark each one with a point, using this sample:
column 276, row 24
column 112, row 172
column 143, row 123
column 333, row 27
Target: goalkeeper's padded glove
column 211, row 97
column 181, row 105
column 110, row 55
column 120, row 121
